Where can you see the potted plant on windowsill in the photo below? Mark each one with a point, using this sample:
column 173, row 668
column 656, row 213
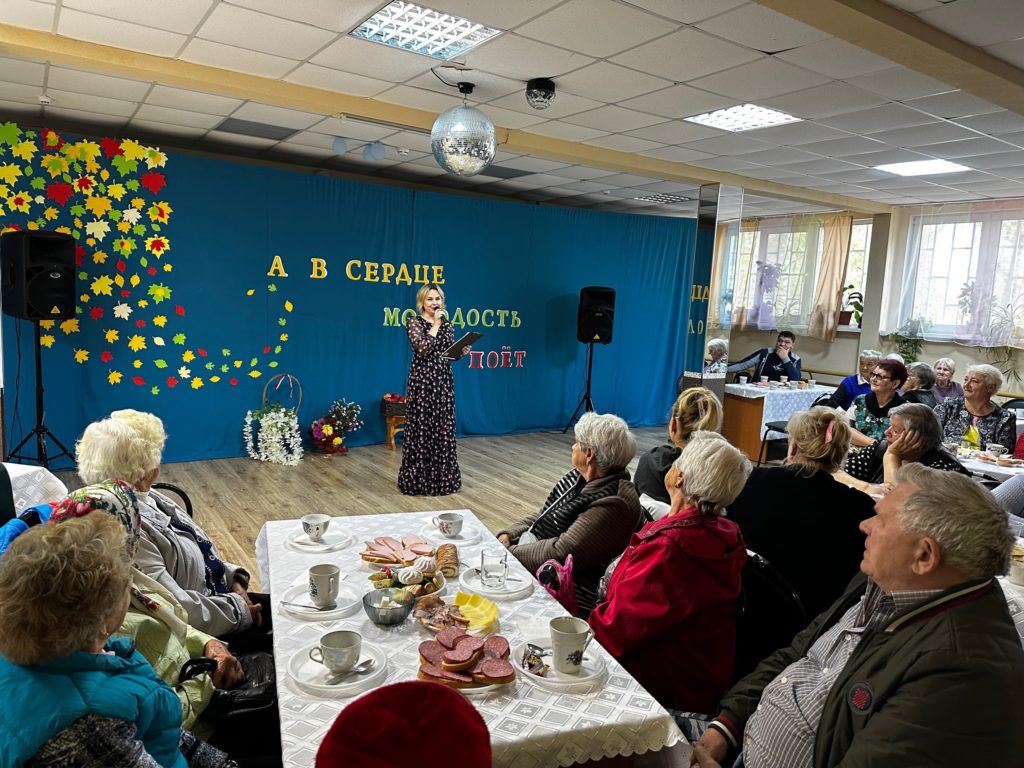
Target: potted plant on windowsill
column 854, row 306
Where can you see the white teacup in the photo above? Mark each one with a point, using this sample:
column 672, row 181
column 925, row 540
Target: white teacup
column 996, row 449
column 324, row 580
column 315, row 526
column 449, row 524
column 743, row 379
column 338, row 651
column 811, row 383
column 784, row 379
column 569, row 639
column 764, row 379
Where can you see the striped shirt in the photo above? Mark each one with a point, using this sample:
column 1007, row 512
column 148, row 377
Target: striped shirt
column 782, row 730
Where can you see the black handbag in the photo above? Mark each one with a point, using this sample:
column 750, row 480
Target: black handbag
column 257, row 693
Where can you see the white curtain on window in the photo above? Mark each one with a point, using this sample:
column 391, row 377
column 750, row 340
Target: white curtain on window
column 828, row 293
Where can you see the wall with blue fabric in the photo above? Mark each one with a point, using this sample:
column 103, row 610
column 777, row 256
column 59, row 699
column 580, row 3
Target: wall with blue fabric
column 186, row 322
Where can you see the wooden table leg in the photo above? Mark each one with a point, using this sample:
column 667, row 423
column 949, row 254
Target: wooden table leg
column 396, row 424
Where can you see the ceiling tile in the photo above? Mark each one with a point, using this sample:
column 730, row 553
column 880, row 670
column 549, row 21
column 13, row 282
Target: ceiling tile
column 583, row 186
column 759, row 80
column 677, row 154
column 834, row 98
column 877, row 119
column 54, row 114
column 671, row 188
column 421, row 99
column 497, row 15
column 889, row 156
column 1012, row 52
column 582, row 172
column 796, row 134
column 238, row 59
column 762, row 29
column 687, row 11
column 624, row 143
column 965, row 149
column 963, row 177
column 76, row 80
column 821, row 166
column 676, row 132
column 88, row 103
column 563, row 104
column 627, row 180
column 613, row 119
column 16, row 92
column 851, row 145
column 328, row 14
column 20, row 71
column 728, row 164
column 27, row 13
column 900, row 84
column 177, row 116
column 240, row 140
column 835, row 58
column 165, row 129
column 409, row 140
column 561, row 130
column 1000, row 187
column 247, row 29
column 380, row 62
column 730, row 144
column 610, row 83
column 486, row 86
column 336, row 80
column 995, row 123
column 858, row 176
column 919, row 135
column 287, row 118
column 996, row 162
column 953, row 104
column 598, row 28
column 179, row 98
column 978, row 22
column 120, row 34
column 685, row 55
column 507, row 118
column 780, row 156
column 521, row 58
column 678, row 101
column 1012, row 172
column 532, row 164
column 319, row 141
column 180, row 16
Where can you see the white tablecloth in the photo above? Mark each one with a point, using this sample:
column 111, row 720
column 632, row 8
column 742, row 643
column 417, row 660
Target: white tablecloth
column 779, row 403
column 529, row 727
column 33, row 485
column 994, row 471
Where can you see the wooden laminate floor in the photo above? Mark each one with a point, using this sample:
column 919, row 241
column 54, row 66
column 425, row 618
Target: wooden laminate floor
column 503, row 479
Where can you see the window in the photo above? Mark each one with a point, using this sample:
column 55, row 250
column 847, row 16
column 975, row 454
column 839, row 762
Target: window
column 857, row 260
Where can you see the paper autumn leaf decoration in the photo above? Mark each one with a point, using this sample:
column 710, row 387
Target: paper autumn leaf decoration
column 81, row 355
column 122, row 311
column 114, row 377
column 153, row 181
column 136, row 343
column 9, row 173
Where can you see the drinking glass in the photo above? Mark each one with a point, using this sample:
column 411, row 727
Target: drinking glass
column 493, row 568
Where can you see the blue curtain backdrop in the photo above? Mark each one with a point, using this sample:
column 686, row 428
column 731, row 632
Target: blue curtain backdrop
column 230, row 326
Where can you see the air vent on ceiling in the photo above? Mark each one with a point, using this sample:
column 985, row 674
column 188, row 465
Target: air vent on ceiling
column 260, row 130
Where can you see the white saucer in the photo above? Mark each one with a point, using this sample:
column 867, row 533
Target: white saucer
column 483, row 690
column 331, row 541
column 312, row 677
column 591, row 677
column 512, row 590
column 348, row 602
column 469, row 534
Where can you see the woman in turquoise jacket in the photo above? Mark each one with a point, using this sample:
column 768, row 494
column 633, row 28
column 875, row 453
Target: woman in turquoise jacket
column 63, row 589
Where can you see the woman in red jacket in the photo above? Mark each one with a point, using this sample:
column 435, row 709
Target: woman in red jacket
column 670, row 613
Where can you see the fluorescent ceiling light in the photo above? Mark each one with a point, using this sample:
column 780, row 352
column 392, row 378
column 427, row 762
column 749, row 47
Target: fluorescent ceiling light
column 922, row 167
column 663, row 199
column 423, row 30
column 744, row 117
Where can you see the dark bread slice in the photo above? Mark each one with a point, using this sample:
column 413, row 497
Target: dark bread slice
column 434, row 674
column 493, row 672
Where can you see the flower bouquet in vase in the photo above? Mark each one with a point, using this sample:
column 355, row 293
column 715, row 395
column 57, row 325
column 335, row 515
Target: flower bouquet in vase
column 330, row 430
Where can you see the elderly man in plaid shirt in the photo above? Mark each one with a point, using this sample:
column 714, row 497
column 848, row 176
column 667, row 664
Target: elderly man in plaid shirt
column 917, row 664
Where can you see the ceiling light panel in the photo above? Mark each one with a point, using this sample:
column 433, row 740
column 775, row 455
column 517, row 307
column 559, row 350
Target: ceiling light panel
column 663, row 199
column 744, row 117
column 923, row 168
column 422, row 30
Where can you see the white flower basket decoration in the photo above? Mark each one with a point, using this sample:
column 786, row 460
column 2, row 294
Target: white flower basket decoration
column 278, row 439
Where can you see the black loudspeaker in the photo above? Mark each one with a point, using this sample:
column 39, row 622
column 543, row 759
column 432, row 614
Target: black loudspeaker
column 37, row 275
column 596, row 315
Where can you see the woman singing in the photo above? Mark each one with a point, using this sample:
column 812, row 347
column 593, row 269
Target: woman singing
column 429, row 464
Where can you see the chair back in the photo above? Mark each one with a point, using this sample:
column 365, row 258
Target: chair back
column 771, row 613
column 179, row 492
column 1014, row 403
column 825, row 399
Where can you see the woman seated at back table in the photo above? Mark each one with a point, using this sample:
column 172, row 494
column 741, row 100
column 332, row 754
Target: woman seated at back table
column 589, row 514
column 945, row 370
column 800, row 518
column 71, row 693
column 976, row 408
column 174, row 550
column 920, row 381
column 871, row 411
column 695, row 409
column 857, row 383
column 914, row 435
column 670, row 614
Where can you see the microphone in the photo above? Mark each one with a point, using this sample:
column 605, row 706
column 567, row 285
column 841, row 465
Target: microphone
column 443, row 314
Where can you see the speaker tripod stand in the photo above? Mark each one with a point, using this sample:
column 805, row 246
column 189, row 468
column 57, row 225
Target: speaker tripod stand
column 586, row 402
column 39, row 431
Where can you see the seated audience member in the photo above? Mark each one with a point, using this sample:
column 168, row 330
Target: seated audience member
column 914, row 435
column 1010, row 495
column 918, row 389
column 800, row 518
column 437, row 719
column 857, row 383
column 773, row 362
column 945, row 387
column 871, row 411
column 674, row 593
column 174, row 550
column 63, row 591
column 918, row 663
column 718, row 351
column 695, row 409
column 897, row 357
column 590, row 513
column 992, row 423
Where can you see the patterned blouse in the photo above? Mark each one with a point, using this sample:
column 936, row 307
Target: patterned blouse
column 866, row 463
column 1000, row 426
column 870, row 418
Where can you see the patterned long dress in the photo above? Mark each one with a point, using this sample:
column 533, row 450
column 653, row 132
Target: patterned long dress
column 429, row 464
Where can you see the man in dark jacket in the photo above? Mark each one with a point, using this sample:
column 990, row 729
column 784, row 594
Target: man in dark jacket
column 773, row 362
column 921, row 667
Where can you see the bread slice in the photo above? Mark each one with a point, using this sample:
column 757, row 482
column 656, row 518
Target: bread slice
column 493, row 672
column 434, row 674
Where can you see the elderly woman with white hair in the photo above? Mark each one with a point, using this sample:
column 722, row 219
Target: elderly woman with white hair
column 945, row 387
column 978, row 412
column 858, row 383
column 173, row 550
column 919, row 385
column 670, row 614
column 589, row 514
column 718, row 351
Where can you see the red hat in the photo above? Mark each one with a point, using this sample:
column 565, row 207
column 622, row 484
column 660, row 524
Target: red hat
column 379, row 729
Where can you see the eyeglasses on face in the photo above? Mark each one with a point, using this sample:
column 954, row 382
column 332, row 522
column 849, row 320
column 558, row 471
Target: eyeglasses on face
column 879, row 376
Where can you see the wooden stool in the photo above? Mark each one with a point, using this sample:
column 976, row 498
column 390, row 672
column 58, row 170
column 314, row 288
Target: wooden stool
column 396, row 424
